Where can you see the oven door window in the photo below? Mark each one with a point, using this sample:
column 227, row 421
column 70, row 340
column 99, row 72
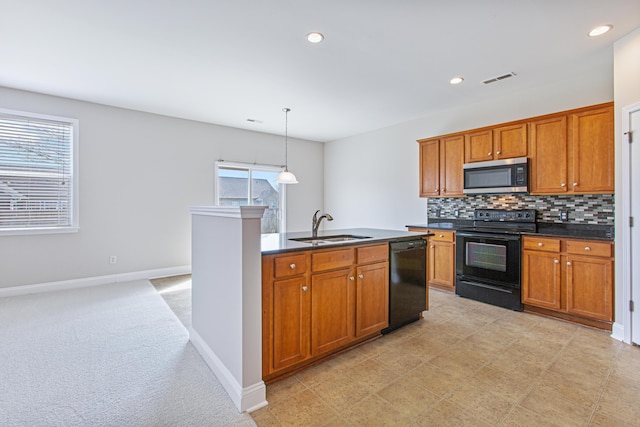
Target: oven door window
column 487, row 256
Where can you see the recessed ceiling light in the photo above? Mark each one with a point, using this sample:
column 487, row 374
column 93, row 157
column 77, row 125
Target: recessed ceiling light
column 456, row 80
column 600, row 30
column 315, row 37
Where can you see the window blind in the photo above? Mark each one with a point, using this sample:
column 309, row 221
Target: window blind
column 36, row 172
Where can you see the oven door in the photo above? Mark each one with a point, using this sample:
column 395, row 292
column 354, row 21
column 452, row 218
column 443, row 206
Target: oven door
column 489, row 258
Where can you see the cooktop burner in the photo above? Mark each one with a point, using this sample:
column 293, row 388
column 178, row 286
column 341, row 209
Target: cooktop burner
column 503, row 221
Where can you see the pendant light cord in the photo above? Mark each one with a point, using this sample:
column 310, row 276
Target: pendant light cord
column 286, row 138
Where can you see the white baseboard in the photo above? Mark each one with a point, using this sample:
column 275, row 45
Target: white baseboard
column 246, row 399
column 617, row 332
column 94, row 281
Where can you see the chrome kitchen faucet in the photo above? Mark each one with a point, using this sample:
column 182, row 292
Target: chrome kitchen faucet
column 315, row 222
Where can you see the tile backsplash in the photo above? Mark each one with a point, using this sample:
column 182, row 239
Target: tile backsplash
column 582, row 209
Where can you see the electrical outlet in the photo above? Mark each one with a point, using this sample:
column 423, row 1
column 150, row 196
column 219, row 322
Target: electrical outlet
column 564, row 216
column 113, row 259
column 456, row 213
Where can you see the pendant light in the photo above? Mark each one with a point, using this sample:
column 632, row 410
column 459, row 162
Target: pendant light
column 286, row 177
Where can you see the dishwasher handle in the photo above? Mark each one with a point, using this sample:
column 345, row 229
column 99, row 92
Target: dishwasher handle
column 407, row 245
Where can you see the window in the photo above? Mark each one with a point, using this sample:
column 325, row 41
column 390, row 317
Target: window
column 239, row 184
column 38, row 183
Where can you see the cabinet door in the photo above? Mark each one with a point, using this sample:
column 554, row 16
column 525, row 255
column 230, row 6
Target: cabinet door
column 541, row 279
column 591, row 144
column 590, row 287
column 478, row 146
column 548, row 156
column 291, row 301
column 332, row 310
column 451, row 162
column 442, row 264
column 510, row 141
column 372, row 298
column 430, row 168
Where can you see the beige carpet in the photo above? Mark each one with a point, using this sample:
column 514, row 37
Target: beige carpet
column 111, row 355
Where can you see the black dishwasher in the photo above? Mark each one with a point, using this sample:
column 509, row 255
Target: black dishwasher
column 407, row 282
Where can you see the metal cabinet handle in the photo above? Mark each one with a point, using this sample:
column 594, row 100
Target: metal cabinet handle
column 540, row 244
column 432, row 246
column 575, row 184
column 304, row 288
column 442, row 235
column 489, row 153
column 587, row 249
column 361, row 276
column 555, row 261
column 292, row 266
column 352, row 278
column 498, row 152
column 569, row 263
column 564, row 184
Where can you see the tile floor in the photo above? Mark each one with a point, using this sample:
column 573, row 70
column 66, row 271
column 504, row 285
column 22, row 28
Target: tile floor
column 465, row 364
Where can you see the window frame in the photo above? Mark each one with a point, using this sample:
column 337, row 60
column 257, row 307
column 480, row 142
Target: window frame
column 250, row 167
column 74, row 223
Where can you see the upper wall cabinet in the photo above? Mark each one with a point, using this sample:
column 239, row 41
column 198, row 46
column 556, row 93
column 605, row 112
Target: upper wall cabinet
column 570, row 152
column 502, row 142
column 573, row 153
column 441, row 161
column 591, row 151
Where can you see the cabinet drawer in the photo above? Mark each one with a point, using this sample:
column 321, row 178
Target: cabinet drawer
column 367, row 254
column 541, row 244
column 588, row 247
column 442, row 236
column 290, row 265
column 330, row 260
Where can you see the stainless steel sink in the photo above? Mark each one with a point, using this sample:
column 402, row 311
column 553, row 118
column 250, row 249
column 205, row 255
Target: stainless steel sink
column 343, row 238
column 330, row 239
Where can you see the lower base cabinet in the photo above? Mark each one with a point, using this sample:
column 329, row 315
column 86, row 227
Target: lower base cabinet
column 332, row 310
column 320, row 301
column 570, row 278
column 441, row 258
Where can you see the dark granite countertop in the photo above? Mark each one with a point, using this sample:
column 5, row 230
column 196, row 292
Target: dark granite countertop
column 280, row 242
column 577, row 231
column 444, row 223
column 551, row 229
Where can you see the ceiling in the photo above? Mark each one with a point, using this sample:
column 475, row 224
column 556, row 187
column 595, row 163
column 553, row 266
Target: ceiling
column 382, row 62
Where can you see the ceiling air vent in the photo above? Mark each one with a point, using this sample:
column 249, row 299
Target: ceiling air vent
column 497, row 79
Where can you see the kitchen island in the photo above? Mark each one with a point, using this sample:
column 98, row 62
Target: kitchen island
column 324, row 295
column 227, row 282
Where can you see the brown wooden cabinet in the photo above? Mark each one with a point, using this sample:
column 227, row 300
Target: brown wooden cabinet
column 569, row 278
column 502, row 142
column 591, row 151
column 372, row 298
column 548, row 156
column 317, row 302
column 442, row 260
column 478, row 146
column 332, row 310
column 441, row 163
column 573, row 152
column 570, row 152
column 291, row 308
column 286, row 331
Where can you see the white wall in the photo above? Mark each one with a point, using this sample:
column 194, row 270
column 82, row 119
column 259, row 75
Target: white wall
column 139, row 173
column 626, row 93
column 372, row 179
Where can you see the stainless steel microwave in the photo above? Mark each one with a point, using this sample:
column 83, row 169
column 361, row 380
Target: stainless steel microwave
column 497, row 176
